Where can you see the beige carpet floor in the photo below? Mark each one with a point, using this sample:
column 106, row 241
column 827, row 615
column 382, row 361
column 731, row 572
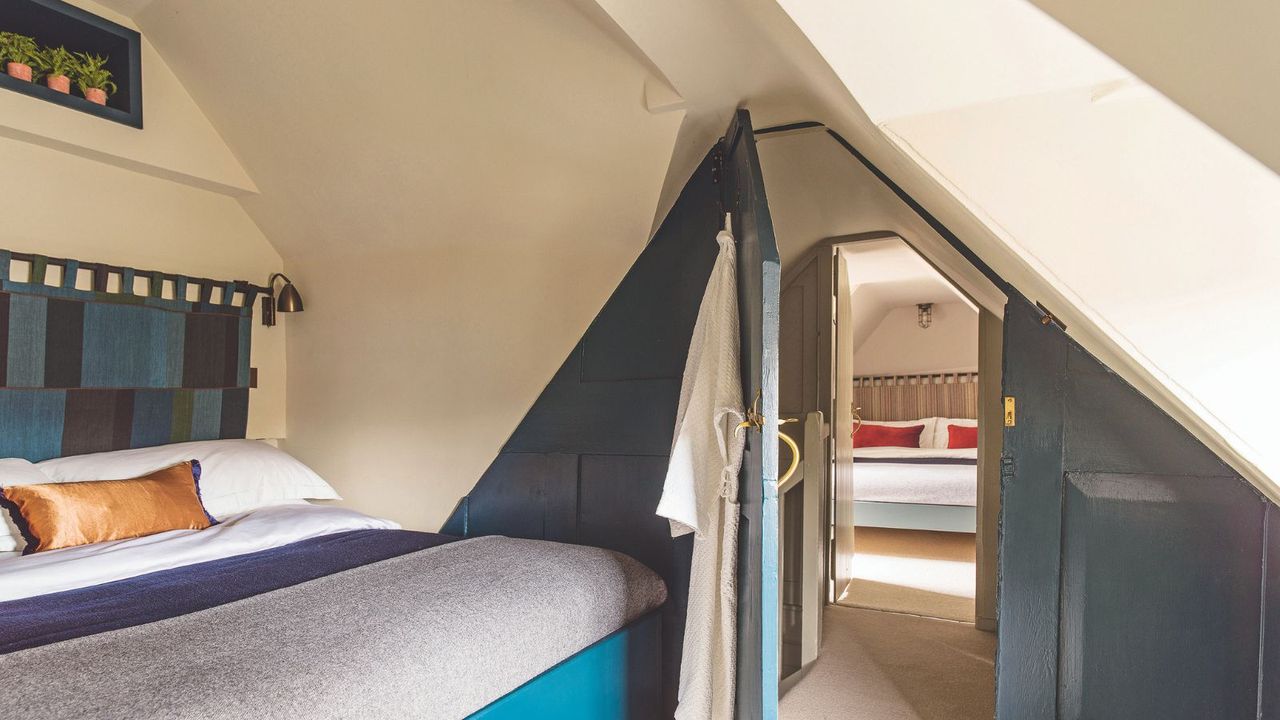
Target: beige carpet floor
column 884, row 666
column 913, row 571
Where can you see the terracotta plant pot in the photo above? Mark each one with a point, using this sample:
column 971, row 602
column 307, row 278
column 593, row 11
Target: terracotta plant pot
column 61, row 83
column 18, row 70
column 96, row 95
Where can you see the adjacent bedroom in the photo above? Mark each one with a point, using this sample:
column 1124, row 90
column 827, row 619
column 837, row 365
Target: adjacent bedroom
column 911, row 385
column 916, row 442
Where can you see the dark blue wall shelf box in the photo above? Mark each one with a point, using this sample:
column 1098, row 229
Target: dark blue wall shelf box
column 53, row 23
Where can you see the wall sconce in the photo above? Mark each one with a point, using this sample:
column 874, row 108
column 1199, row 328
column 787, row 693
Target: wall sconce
column 924, row 315
column 287, row 301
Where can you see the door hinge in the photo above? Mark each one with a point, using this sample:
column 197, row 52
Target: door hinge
column 1010, row 411
column 1008, row 470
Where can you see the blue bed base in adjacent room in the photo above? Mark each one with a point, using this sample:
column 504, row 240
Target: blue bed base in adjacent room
column 916, row 516
column 616, row 678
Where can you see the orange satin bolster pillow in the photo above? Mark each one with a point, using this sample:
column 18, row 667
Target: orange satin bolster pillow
column 59, row 515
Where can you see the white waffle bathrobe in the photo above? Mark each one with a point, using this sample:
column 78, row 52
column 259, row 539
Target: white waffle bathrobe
column 701, row 494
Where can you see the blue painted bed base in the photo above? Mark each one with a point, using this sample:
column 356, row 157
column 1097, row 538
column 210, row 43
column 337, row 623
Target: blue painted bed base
column 617, row 678
column 916, row 516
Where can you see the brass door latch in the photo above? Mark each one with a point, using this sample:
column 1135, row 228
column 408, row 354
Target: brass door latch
column 756, row 420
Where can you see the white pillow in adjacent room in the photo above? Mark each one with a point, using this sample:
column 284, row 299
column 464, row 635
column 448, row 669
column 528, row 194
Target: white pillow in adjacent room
column 235, row 475
column 16, row 471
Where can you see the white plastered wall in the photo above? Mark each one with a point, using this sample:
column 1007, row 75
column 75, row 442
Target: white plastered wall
column 455, row 205
column 899, row 346
column 160, row 198
column 177, row 143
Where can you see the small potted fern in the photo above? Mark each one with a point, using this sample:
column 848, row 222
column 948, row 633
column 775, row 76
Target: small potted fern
column 17, row 52
column 93, row 77
column 56, row 66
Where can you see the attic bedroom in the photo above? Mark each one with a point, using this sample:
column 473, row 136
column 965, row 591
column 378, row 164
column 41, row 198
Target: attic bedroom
column 611, row 359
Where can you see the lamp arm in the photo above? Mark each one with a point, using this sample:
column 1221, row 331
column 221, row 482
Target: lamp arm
column 271, row 281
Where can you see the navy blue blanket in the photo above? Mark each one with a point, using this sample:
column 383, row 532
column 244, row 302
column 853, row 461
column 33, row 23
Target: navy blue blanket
column 44, row 619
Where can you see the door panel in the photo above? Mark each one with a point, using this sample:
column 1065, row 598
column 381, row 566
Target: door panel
column 759, row 280
column 841, row 568
column 804, row 373
column 1129, row 600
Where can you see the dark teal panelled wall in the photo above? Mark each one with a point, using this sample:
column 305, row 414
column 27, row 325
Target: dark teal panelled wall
column 587, row 463
column 1134, row 571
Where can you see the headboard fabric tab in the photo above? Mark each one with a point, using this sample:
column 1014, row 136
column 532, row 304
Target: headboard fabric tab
column 89, row 370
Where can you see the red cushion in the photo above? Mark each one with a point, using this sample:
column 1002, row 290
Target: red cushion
column 870, row 435
column 962, row 436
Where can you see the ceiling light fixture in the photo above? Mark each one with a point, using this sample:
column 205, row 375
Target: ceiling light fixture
column 924, row 315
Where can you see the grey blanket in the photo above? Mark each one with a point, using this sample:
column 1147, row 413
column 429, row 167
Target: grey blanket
column 438, row 633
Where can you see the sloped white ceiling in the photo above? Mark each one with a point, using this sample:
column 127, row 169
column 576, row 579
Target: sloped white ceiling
column 1149, row 230
column 975, row 51
column 716, row 56
column 900, row 274
column 1219, row 60
column 1165, row 234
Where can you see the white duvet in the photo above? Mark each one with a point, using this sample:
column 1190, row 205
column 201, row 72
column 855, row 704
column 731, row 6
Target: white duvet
column 261, row 529
column 922, row 483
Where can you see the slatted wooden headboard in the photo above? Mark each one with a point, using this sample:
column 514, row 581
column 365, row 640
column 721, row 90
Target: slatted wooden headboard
column 907, row 397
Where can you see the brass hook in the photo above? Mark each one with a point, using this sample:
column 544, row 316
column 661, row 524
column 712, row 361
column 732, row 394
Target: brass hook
column 754, row 418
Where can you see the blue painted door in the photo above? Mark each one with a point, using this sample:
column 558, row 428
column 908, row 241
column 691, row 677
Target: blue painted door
column 759, row 280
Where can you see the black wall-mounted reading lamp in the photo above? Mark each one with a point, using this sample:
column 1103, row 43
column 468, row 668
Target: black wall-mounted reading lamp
column 287, row 301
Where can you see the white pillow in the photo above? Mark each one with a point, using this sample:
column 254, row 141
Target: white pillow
column 16, row 471
column 235, row 475
column 942, row 436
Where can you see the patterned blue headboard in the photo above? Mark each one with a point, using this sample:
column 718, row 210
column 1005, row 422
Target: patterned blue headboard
column 89, row 370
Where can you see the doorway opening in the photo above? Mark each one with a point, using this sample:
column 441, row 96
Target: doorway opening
column 906, row 398
column 887, row 550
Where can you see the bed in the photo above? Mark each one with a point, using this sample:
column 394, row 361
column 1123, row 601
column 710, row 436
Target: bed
column 321, row 612
column 931, row 487
column 271, row 606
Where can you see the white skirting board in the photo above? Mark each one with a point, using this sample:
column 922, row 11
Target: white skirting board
column 913, row 516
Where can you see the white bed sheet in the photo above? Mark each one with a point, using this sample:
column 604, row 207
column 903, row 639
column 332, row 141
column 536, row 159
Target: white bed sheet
column 261, row 529
column 922, row 484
